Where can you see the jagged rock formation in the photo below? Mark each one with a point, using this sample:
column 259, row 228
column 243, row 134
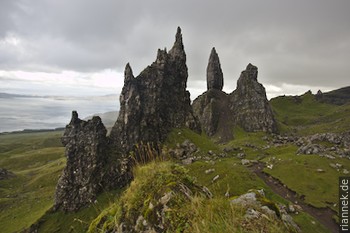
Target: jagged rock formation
column 155, row 101
column 152, row 104
column 211, row 107
column 215, row 77
column 246, row 107
column 249, row 104
column 88, row 168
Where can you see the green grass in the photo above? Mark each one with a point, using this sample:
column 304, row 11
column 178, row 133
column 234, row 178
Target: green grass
column 308, row 116
column 299, row 173
column 201, row 141
column 77, row 221
column 37, row 160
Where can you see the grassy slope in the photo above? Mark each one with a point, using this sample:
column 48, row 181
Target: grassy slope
column 308, row 116
column 37, row 159
column 235, row 178
column 304, row 117
column 198, row 214
column 77, row 221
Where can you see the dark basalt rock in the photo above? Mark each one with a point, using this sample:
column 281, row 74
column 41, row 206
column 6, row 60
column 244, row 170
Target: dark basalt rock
column 250, row 107
column 246, row 107
column 212, row 110
column 155, row 101
column 215, row 77
column 88, row 168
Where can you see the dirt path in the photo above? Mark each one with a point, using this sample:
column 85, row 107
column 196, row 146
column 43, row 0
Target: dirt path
column 323, row 215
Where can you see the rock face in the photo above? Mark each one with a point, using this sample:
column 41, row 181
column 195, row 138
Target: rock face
column 88, row 168
column 215, row 77
column 246, row 107
column 213, row 112
column 250, row 107
column 155, row 101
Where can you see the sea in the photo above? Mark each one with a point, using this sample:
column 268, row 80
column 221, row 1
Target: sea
column 19, row 113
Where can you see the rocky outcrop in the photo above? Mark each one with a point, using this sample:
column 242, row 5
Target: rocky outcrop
column 215, row 77
column 88, row 168
column 246, row 107
column 249, row 104
column 155, row 101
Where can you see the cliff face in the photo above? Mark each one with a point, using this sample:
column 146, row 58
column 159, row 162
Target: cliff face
column 155, row 101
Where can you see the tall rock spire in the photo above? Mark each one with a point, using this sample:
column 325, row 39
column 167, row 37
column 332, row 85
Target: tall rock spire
column 215, row 77
column 178, row 51
column 155, row 101
column 128, row 75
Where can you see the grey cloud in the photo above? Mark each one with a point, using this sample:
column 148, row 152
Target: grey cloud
column 297, row 42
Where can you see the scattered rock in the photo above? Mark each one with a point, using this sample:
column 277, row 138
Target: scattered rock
column 245, row 162
column 211, row 170
column 215, row 178
column 241, row 155
column 319, row 170
column 310, row 149
column 245, row 199
column 252, row 214
column 5, row 174
column 187, row 161
column 184, row 151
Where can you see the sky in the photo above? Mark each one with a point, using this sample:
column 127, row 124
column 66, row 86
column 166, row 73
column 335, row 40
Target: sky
column 80, row 47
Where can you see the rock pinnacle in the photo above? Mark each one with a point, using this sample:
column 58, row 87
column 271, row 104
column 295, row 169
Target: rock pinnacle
column 215, row 77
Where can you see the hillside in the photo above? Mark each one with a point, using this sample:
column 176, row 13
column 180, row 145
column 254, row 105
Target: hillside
column 305, row 115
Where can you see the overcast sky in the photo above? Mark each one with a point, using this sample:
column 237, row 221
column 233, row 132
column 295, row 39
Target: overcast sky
column 80, row 47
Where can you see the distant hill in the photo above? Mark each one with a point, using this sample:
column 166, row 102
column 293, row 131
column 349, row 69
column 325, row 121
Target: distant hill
column 108, row 118
column 339, row 97
column 308, row 114
column 7, row 95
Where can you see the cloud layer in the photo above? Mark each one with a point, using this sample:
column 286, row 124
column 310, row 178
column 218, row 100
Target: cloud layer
column 296, row 44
